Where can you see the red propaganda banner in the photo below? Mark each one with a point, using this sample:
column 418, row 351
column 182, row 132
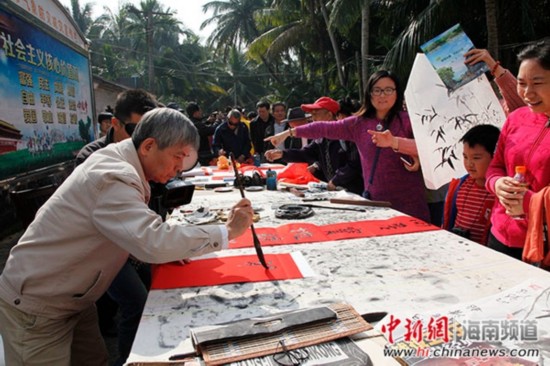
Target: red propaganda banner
column 225, row 270
column 299, row 233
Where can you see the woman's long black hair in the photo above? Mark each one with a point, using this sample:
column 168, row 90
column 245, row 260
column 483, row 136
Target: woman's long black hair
column 368, row 110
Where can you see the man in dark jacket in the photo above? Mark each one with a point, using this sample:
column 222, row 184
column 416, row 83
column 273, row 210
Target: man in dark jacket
column 206, row 131
column 258, row 127
column 232, row 137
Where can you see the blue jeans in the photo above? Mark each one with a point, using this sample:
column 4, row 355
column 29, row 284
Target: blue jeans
column 129, row 290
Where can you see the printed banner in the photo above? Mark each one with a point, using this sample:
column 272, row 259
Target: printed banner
column 45, row 98
column 440, row 118
column 303, row 232
column 446, row 53
column 226, row 270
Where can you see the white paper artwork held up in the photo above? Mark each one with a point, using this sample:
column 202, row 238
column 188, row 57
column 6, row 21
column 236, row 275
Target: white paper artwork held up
column 439, row 119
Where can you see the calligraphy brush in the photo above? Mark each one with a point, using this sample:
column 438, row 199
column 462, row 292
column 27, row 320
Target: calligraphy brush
column 257, row 244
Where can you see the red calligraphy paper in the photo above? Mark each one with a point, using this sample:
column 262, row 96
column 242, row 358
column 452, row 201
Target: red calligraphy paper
column 299, row 233
column 224, row 270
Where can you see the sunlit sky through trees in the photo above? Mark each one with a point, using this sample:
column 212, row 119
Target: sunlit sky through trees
column 188, row 11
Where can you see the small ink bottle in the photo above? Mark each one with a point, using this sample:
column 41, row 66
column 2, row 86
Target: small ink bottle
column 257, row 160
column 271, row 180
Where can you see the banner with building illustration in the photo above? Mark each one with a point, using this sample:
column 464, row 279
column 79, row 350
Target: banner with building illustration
column 45, row 97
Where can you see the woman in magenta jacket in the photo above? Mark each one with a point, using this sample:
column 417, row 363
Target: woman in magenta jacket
column 383, row 134
column 524, row 140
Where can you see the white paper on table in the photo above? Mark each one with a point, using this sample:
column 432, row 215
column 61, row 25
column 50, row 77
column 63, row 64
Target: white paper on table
column 439, row 119
column 529, row 300
column 302, row 264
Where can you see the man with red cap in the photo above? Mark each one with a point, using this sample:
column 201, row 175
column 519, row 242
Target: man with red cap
column 332, row 161
column 322, row 107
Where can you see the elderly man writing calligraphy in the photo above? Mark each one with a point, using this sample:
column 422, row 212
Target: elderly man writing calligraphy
column 83, row 235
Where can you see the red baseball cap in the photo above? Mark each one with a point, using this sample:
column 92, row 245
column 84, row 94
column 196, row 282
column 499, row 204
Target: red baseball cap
column 322, row 103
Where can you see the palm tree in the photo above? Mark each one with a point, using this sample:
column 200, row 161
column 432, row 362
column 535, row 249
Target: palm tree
column 152, row 25
column 288, row 27
column 81, row 15
column 334, row 43
column 492, row 27
column 187, row 71
column 424, row 19
column 296, row 33
column 235, row 26
column 345, row 14
column 235, row 23
column 241, row 80
column 111, row 47
column 294, row 37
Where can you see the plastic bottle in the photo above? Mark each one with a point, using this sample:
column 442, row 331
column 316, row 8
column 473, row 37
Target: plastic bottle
column 257, row 160
column 271, row 180
column 520, row 174
column 520, row 178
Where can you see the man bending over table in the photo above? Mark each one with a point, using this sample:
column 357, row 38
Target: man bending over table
column 83, row 234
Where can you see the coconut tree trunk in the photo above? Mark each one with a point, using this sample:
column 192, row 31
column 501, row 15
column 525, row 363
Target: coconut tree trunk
column 149, row 42
column 335, row 48
column 365, row 32
column 359, row 76
column 492, row 27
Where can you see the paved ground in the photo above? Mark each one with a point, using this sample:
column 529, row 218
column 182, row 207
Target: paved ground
column 5, row 245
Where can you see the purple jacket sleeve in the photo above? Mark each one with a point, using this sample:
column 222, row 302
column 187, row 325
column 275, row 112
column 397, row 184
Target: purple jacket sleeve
column 334, row 130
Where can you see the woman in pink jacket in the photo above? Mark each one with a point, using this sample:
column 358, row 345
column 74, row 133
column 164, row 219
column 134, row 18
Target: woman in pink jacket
column 504, row 79
column 524, row 140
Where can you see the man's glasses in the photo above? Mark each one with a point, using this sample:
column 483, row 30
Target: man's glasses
column 285, row 357
column 379, row 91
column 129, row 127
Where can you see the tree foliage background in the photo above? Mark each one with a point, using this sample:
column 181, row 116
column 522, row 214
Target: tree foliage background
column 291, row 50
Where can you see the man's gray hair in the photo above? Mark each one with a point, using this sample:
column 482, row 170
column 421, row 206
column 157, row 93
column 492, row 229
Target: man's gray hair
column 168, row 127
column 235, row 114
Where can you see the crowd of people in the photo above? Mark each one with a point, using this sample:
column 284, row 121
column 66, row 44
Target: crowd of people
column 54, row 276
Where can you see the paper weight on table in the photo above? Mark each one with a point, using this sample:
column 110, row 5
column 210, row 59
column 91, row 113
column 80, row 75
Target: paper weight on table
column 240, row 340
